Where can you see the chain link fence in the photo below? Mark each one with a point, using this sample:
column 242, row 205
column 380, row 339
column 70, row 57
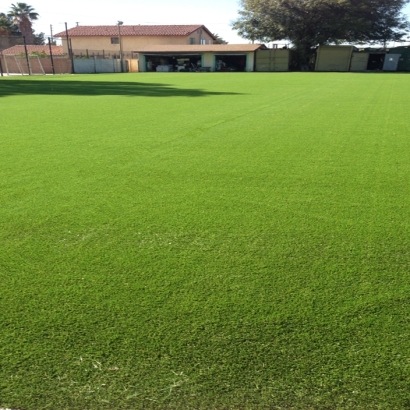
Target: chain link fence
column 18, row 58
column 104, row 54
column 35, row 64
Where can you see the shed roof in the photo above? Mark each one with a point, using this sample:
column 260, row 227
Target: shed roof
column 16, row 50
column 199, row 48
column 157, row 30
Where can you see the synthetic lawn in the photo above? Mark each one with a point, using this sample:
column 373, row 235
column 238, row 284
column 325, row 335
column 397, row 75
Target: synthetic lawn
column 205, row 241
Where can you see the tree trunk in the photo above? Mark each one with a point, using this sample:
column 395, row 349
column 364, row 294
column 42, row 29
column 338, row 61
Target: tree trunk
column 304, row 53
column 26, row 30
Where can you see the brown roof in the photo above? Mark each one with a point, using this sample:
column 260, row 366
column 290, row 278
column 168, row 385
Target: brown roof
column 170, row 30
column 199, row 48
column 16, row 50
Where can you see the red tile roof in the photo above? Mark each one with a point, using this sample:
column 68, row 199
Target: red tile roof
column 170, row 30
column 16, row 50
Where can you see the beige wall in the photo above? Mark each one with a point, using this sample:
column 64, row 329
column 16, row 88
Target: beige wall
column 208, row 60
column 131, row 43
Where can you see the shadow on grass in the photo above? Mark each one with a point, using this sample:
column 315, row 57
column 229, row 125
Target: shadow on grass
column 97, row 88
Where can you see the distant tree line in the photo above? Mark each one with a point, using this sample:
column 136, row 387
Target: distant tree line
column 18, row 21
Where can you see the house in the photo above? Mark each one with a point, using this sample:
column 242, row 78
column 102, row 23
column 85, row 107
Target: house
column 157, row 48
column 127, row 39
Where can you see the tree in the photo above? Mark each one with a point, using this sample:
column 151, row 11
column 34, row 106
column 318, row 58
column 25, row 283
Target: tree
column 383, row 22
column 219, row 39
column 6, row 25
column 309, row 23
column 39, row 38
column 23, row 15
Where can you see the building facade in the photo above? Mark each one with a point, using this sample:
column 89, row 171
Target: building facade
column 128, row 39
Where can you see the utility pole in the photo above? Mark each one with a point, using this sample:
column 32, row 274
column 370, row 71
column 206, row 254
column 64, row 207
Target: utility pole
column 51, row 33
column 51, row 55
column 120, row 23
column 27, row 59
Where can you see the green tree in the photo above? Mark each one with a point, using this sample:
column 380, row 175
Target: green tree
column 309, row 23
column 39, row 38
column 6, row 25
column 22, row 14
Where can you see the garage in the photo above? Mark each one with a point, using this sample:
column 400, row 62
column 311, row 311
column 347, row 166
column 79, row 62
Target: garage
column 172, row 62
column 230, row 62
column 376, row 61
column 197, row 58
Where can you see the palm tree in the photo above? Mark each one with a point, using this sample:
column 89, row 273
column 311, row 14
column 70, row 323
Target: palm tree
column 23, row 15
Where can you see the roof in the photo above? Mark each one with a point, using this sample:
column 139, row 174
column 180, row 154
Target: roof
column 16, row 50
column 163, row 30
column 199, row 48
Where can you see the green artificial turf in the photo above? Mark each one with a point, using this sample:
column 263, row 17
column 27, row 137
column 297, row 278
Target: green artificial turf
column 205, row 241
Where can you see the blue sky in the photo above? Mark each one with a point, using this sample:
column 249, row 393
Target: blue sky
column 216, row 15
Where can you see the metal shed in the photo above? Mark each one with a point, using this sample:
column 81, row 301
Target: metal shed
column 333, row 58
column 359, row 61
column 273, row 60
column 404, row 60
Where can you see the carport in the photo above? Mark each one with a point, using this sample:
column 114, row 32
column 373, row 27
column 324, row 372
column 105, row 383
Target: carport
column 172, row 62
column 199, row 57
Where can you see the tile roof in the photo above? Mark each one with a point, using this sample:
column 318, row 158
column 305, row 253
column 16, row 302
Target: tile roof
column 163, row 30
column 198, row 48
column 16, row 50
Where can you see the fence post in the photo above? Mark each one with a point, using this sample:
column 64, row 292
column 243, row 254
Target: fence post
column 72, row 55
column 51, row 56
column 1, row 66
column 69, row 49
column 5, row 63
column 27, row 59
column 119, row 38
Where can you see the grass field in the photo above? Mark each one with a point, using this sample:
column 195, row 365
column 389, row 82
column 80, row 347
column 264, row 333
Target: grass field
column 205, row 241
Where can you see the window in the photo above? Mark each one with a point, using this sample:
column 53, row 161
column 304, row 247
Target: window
column 192, row 40
column 115, row 40
column 203, row 41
